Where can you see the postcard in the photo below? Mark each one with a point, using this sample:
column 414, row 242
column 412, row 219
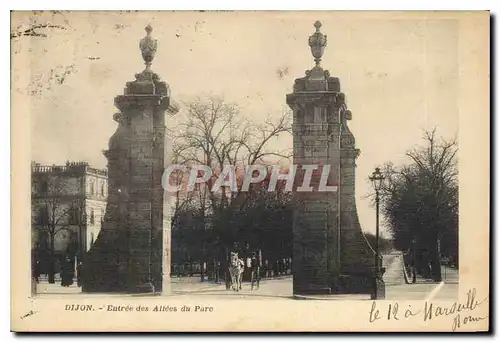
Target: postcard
column 250, row 171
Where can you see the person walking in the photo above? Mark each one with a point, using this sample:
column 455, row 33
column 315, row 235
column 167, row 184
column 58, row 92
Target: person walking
column 79, row 275
column 254, row 271
column 217, row 271
column 67, row 272
column 227, row 276
column 267, row 269
column 36, row 270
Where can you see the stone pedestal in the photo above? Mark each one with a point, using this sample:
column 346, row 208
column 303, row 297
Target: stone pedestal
column 132, row 252
column 378, row 289
column 330, row 253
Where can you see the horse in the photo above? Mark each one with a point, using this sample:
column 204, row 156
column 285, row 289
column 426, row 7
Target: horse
column 236, row 267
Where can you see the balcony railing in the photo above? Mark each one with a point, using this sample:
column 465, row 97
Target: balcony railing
column 76, row 166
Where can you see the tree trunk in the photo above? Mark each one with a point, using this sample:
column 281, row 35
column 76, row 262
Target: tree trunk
column 203, row 261
column 203, row 247
column 414, row 262
column 51, row 274
column 436, row 263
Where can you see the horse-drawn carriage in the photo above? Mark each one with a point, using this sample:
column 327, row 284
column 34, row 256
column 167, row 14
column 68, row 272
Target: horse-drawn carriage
column 237, row 267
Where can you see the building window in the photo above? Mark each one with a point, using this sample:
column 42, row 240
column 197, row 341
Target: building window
column 44, row 187
column 72, row 247
column 43, row 239
column 43, row 215
column 92, row 187
column 91, row 239
column 92, row 218
column 102, row 216
column 102, row 189
column 73, row 216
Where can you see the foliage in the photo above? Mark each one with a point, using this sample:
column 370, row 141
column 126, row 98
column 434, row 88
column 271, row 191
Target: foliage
column 419, row 201
column 264, row 222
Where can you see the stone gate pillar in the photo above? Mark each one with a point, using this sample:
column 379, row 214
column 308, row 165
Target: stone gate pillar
column 330, row 254
column 132, row 251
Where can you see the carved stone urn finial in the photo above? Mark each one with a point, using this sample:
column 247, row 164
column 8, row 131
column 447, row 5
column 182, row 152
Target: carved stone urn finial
column 317, row 24
column 148, row 47
column 317, row 42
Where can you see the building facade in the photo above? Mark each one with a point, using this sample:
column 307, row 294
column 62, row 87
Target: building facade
column 68, row 203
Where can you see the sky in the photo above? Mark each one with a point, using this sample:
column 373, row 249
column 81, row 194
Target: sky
column 399, row 73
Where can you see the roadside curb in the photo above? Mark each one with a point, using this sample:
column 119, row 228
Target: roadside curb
column 329, row 297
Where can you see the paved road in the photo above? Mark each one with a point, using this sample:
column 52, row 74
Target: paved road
column 280, row 289
column 189, row 286
column 393, row 264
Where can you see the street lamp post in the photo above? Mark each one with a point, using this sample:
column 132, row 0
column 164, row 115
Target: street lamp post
column 378, row 284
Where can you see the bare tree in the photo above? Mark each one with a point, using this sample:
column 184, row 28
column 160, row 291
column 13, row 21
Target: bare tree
column 58, row 210
column 420, row 204
column 215, row 133
column 183, row 200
